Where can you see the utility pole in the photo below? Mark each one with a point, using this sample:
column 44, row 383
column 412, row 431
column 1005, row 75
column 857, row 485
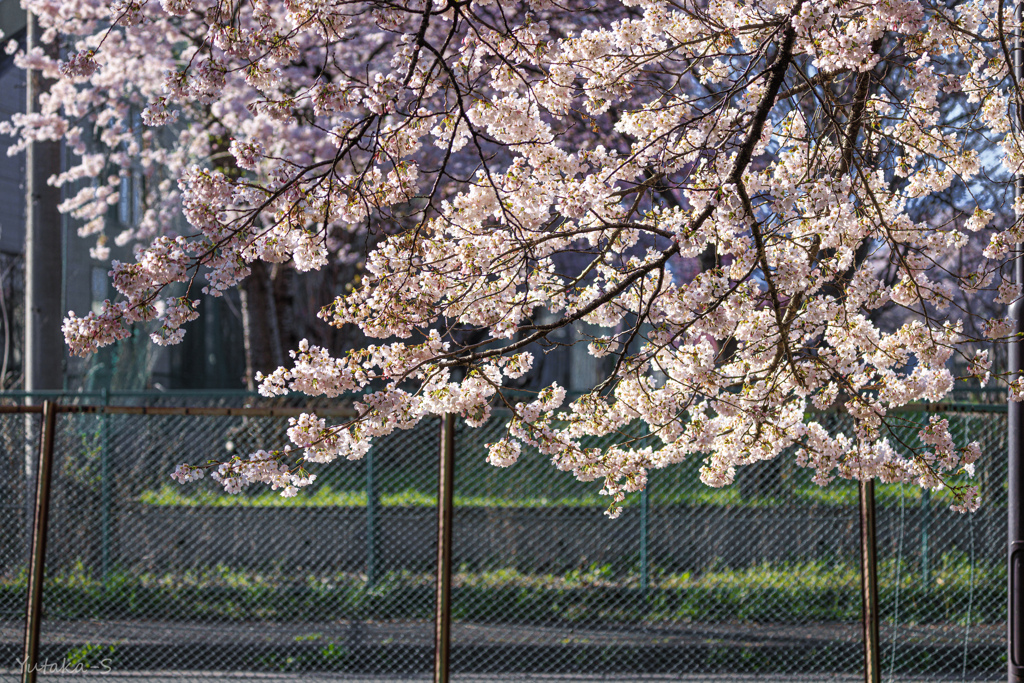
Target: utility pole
column 43, row 353
column 1015, row 412
column 44, row 343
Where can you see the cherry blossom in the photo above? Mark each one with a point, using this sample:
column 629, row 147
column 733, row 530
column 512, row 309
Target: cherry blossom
column 762, row 208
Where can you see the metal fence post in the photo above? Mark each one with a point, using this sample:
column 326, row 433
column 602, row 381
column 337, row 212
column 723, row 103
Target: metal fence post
column 443, row 604
column 645, row 569
column 926, row 514
column 1015, row 410
column 645, row 514
column 869, row 581
column 371, row 521
column 37, row 559
column 1015, row 415
column 105, row 490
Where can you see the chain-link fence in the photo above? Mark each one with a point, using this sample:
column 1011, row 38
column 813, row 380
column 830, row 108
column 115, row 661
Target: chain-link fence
column 943, row 574
column 758, row 579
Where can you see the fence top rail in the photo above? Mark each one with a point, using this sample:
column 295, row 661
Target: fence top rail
column 325, row 411
column 204, row 411
column 950, row 408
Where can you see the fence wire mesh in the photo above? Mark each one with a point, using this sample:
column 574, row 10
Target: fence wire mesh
column 19, row 443
column 758, row 579
column 943, row 574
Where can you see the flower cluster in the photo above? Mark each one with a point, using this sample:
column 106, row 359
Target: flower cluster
column 664, row 182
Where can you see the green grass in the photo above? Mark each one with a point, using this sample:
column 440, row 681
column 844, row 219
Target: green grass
column 816, row 591
column 326, row 496
column 330, row 496
column 405, row 474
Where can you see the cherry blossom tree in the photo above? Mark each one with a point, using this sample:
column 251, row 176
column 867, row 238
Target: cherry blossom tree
column 729, row 195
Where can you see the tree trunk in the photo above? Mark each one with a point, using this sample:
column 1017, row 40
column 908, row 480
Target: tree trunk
column 260, row 324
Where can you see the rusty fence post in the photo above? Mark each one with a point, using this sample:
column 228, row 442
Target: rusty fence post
column 37, row 559
column 443, row 604
column 869, row 581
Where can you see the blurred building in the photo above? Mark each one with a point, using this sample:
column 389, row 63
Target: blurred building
column 211, row 357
